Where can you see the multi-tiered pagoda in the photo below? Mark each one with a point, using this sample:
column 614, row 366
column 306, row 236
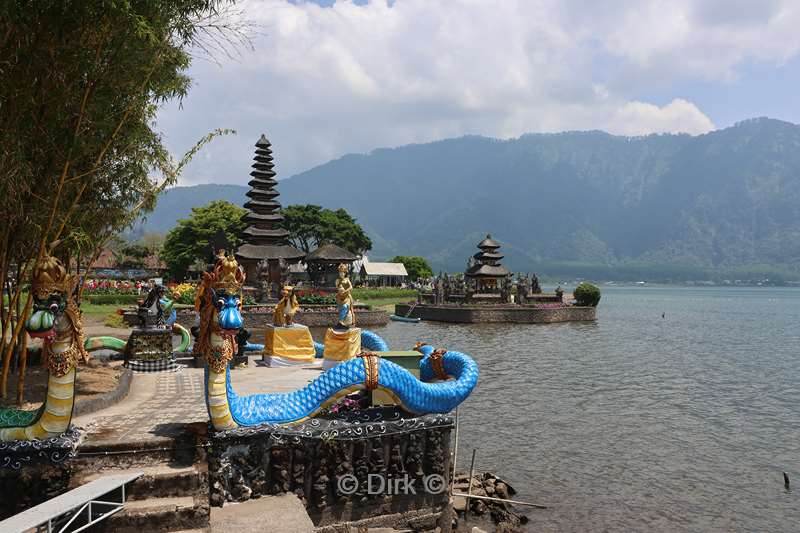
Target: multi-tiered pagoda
column 264, row 239
column 486, row 270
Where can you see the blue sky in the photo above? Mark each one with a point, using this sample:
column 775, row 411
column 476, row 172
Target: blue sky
column 761, row 90
column 328, row 78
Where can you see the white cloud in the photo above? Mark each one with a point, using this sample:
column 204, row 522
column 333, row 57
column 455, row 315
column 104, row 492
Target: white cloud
column 326, row 81
column 639, row 118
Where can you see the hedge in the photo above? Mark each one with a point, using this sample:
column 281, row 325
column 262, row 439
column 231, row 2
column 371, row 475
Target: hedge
column 389, row 292
column 587, row 295
column 117, row 299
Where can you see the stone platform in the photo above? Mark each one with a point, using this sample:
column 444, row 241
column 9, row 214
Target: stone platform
column 162, row 428
column 309, row 315
column 472, row 314
column 346, row 468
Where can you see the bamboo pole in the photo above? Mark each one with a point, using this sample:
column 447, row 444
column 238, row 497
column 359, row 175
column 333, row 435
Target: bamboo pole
column 455, row 455
column 469, row 488
column 515, row 502
column 23, row 361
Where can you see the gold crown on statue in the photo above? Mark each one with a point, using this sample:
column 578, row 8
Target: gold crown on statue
column 344, row 268
column 50, row 276
column 227, row 275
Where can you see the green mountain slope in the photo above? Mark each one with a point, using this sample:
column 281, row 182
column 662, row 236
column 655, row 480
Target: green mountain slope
column 716, row 201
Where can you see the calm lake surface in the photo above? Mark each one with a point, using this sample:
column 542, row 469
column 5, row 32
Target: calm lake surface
column 638, row 423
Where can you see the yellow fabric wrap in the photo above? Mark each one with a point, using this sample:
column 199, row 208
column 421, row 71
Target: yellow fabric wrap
column 342, row 345
column 289, row 342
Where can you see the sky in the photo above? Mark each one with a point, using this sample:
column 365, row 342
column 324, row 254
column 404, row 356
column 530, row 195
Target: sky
column 328, row 78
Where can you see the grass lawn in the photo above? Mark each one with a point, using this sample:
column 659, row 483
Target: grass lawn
column 99, row 311
column 384, row 298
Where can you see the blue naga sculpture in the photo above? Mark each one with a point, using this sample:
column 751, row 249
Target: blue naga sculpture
column 219, row 305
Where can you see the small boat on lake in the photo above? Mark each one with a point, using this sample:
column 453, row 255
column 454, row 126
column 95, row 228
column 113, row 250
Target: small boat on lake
column 398, row 318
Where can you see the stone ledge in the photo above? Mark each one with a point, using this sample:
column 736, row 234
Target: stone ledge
column 107, row 399
column 470, row 314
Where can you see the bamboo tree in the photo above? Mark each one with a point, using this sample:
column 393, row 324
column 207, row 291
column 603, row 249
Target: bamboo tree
column 80, row 84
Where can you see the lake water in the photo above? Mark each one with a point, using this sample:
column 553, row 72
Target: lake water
column 638, row 422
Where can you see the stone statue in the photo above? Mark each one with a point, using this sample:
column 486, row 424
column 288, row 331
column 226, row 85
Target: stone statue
column 286, row 308
column 263, row 280
column 505, row 290
column 153, row 300
column 535, row 288
column 344, row 300
column 523, row 285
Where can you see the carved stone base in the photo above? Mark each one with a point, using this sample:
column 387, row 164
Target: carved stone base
column 378, row 452
column 149, row 344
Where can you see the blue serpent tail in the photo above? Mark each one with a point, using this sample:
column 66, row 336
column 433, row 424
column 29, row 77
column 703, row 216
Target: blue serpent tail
column 416, row 396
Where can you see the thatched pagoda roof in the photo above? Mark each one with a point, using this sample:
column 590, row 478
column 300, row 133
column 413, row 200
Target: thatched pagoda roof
column 330, row 253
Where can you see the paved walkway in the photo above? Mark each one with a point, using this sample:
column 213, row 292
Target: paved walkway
column 283, row 513
column 160, row 405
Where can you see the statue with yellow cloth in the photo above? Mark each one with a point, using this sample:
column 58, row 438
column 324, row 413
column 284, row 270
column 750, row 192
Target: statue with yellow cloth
column 288, row 343
column 343, row 341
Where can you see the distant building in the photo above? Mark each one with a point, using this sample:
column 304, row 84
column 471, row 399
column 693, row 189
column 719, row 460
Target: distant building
column 107, row 265
column 374, row 274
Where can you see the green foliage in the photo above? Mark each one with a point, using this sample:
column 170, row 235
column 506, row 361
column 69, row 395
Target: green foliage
column 81, row 84
column 416, row 266
column 378, row 294
column 106, row 299
column 87, row 78
column 587, row 295
column 132, row 256
column 311, row 225
column 115, row 320
column 192, row 239
column 187, row 296
column 316, row 299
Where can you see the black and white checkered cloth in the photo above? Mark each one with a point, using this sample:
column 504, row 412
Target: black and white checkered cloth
column 160, row 365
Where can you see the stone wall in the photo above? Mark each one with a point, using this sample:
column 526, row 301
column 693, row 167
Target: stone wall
column 364, row 317
column 32, row 472
column 514, row 314
column 321, row 317
column 310, row 460
column 31, row 485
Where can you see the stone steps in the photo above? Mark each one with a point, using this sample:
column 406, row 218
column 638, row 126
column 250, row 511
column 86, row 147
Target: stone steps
column 159, row 514
column 160, row 481
column 172, row 493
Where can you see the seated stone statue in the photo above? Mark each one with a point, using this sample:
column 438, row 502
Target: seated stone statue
column 286, row 308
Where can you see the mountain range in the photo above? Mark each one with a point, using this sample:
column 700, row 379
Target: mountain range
column 726, row 203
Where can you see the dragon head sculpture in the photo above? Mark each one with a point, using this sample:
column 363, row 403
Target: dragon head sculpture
column 219, row 302
column 55, row 317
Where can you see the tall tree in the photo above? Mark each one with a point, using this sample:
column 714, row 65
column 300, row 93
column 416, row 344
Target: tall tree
column 85, row 78
column 311, row 225
column 416, row 266
column 218, row 224
column 153, row 241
